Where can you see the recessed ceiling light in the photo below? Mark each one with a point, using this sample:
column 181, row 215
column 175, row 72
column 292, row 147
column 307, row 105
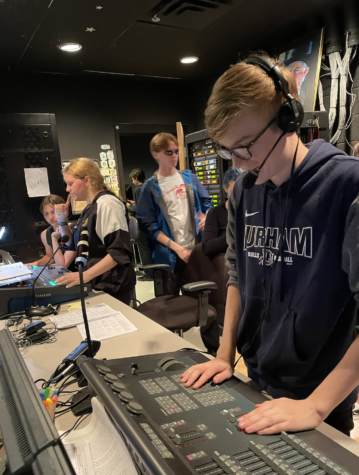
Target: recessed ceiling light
column 189, row 59
column 70, row 47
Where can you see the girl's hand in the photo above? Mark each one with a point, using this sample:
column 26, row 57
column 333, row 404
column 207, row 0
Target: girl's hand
column 62, row 211
column 56, row 234
column 71, row 279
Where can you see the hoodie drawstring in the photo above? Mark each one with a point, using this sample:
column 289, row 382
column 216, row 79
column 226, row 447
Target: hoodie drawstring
column 267, row 302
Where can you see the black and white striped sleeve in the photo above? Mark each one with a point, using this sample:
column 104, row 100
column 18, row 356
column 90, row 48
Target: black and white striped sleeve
column 112, row 228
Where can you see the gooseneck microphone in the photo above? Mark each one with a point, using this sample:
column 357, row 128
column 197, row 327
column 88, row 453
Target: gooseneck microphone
column 69, row 365
column 80, row 262
column 36, row 310
column 251, row 177
column 82, row 248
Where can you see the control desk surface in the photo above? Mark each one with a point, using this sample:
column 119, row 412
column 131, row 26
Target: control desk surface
column 196, row 431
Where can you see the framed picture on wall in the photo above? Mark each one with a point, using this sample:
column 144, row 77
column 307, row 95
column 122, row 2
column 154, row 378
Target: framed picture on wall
column 304, row 60
column 77, row 206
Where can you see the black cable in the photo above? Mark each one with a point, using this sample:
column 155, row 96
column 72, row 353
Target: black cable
column 66, row 403
column 69, row 408
column 60, row 390
column 4, row 317
column 69, row 392
column 235, row 364
column 51, row 335
column 77, row 423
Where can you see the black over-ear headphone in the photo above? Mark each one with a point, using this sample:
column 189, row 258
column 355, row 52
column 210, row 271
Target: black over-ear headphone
column 291, row 112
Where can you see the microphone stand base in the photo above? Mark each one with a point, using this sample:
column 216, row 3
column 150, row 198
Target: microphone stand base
column 83, row 406
column 39, row 311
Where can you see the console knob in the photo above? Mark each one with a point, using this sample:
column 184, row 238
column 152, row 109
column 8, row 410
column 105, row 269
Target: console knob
column 110, row 378
column 177, row 440
column 118, row 387
column 103, row 369
column 135, row 408
column 126, row 397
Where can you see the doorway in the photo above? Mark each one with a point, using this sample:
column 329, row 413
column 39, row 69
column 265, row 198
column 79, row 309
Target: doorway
column 133, row 150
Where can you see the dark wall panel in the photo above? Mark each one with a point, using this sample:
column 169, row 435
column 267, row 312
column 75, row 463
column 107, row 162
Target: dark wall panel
column 87, row 108
column 136, row 154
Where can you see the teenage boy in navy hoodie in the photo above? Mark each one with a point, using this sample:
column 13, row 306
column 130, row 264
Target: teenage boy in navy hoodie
column 293, row 236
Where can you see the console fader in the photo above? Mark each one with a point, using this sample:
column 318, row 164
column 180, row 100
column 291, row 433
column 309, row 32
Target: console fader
column 176, row 430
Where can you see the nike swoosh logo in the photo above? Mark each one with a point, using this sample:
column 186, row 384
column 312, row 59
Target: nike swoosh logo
column 250, row 214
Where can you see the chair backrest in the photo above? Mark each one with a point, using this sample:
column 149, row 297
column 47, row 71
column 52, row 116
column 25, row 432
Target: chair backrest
column 133, row 229
column 201, row 267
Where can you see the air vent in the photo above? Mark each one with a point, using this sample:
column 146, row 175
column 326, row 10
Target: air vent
column 193, row 15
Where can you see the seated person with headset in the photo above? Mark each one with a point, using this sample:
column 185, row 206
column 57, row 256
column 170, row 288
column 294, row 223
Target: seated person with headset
column 109, row 266
column 49, row 237
column 214, row 233
column 293, row 253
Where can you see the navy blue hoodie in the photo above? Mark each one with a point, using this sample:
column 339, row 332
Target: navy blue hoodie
column 312, row 313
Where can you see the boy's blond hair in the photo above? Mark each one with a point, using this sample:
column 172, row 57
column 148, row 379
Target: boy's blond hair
column 244, row 86
column 161, row 141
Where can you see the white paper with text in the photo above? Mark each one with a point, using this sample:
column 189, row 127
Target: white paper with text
column 109, row 327
column 107, row 453
column 37, row 182
column 71, row 319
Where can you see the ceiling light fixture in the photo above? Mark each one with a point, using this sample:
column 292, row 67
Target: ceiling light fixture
column 70, row 47
column 189, row 59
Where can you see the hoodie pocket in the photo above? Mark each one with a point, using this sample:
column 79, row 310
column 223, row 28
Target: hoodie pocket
column 281, row 362
column 274, row 352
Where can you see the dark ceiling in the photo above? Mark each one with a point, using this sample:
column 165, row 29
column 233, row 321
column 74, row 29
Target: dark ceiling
column 127, row 41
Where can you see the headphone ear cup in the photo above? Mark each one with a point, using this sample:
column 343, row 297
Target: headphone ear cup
column 286, row 119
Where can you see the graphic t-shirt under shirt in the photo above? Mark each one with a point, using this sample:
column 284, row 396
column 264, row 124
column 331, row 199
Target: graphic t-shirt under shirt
column 175, row 196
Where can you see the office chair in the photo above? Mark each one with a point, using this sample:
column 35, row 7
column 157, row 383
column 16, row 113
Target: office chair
column 133, row 232
column 179, row 313
column 217, row 271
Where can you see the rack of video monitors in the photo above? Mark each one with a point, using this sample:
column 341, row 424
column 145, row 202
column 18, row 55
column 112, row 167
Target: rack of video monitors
column 206, row 164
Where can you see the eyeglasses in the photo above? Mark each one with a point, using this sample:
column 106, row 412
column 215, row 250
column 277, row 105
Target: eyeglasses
column 241, row 152
column 171, row 152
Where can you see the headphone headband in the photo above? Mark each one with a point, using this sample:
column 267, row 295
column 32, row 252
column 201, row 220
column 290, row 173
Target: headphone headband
column 281, row 84
column 284, row 120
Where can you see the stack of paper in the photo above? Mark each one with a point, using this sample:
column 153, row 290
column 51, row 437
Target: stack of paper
column 72, row 319
column 104, row 322
column 14, row 273
column 109, row 327
column 98, row 449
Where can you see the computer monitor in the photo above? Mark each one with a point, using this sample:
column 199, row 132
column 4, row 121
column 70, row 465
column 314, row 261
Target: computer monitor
column 32, row 443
